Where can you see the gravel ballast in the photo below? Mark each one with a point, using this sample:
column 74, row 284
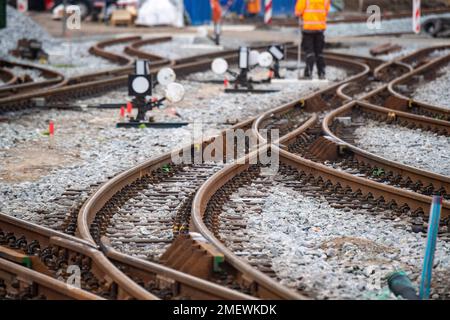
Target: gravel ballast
column 437, row 91
column 330, row 253
column 181, row 47
column 417, row 148
column 89, row 148
column 68, row 56
column 20, row 26
column 33, row 73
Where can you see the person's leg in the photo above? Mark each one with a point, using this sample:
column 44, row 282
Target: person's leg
column 319, row 45
column 308, row 47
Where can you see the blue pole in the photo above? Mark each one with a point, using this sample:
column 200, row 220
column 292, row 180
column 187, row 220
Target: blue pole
column 433, row 227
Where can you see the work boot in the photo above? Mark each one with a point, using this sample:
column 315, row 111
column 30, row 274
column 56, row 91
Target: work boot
column 307, row 74
column 322, row 76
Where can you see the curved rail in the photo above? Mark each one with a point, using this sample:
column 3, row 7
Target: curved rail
column 54, row 79
column 105, row 192
column 188, row 285
column 89, row 212
column 133, row 50
column 358, row 185
column 263, row 285
column 352, row 19
column 267, row 288
column 7, row 77
column 95, row 83
column 385, row 114
column 320, row 101
column 412, row 79
column 49, row 251
column 21, row 96
column 23, row 283
column 399, row 197
column 99, row 50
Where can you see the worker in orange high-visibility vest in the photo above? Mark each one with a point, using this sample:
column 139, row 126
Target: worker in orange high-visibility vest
column 314, row 20
column 253, row 7
column 216, row 11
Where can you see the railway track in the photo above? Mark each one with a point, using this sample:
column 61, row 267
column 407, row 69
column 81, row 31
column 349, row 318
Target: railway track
column 359, row 113
column 21, row 283
column 386, row 95
column 327, row 146
column 402, row 88
column 48, row 259
column 194, row 197
column 218, row 219
column 7, row 77
column 71, row 201
column 143, row 210
column 308, row 162
column 99, row 82
column 51, row 253
column 25, row 83
column 83, row 85
column 154, row 281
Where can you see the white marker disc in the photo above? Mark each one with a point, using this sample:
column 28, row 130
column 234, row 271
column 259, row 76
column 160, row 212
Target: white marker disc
column 219, row 66
column 253, row 58
column 140, row 85
column 265, row 59
column 175, row 92
column 166, row 76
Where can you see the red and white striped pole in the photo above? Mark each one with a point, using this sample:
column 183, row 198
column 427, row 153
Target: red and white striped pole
column 268, row 12
column 416, row 16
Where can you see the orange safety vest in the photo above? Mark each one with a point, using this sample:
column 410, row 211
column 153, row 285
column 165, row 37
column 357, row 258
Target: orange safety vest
column 254, row 6
column 216, row 11
column 314, row 13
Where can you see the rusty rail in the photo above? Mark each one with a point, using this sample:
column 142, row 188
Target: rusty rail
column 386, row 114
column 45, row 247
column 412, row 79
column 23, row 283
column 7, row 77
column 54, row 79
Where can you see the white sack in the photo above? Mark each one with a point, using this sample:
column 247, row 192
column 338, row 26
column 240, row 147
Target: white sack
column 161, row 12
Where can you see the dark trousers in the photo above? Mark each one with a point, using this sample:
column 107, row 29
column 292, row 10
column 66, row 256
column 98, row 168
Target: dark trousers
column 313, row 44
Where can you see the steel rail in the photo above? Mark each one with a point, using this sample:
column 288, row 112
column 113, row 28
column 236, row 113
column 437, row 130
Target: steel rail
column 99, row 50
column 133, row 50
column 25, row 99
column 37, row 285
column 267, row 288
column 105, row 192
column 402, row 169
column 7, row 77
column 53, row 79
column 413, row 173
column 34, row 235
column 413, row 200
column 98, row 200
column 195, row 288
column 402, row 101
column 357, row 184
column 95, row 83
